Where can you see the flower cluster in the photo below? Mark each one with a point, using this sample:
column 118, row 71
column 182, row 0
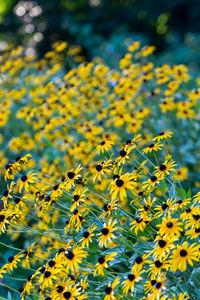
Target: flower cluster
column 92, row 202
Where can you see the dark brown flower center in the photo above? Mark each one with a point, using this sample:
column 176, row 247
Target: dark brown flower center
column 131, row 277
column 104, row 231
column 108, row 290
column 119, row 182
column 122, row 153
column 70, row 255
column 169, row 224
column 70, row 175
column 163, row 167
column 158, row 264
column 99, row 168
column 162, row 243
column 24, row 178
column 101, row 260
column 183, row 253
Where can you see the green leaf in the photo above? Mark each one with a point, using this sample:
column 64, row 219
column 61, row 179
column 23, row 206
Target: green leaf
column 181, row 193
column 50, row 223
column 188, row 195
column 163, row 187
column 53, row 250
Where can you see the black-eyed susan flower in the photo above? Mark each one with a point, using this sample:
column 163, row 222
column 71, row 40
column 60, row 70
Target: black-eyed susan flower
column 134, row 46
column 4, row 215
column 76, row 215
column 70, row 292
column 162, row 135
column 147, row 205
column 165, row 168
column 58, row 289
column 81, row 219
column 29, row 255
column 103, row 263
column 193, row 232
column 194, row 220
column 109, row 290
column 101, row 169
column 150, row 284
column 181, row 296
column 181, row 204
column 158, row 288
column 159, row 265
column 139, row 262
column 197, row 197
column 78, row 197
column 123, row 156
column 130, row 144
column 26, row 180
column 166, row 207
column 56, row 191
column 119, row 185
column 129, row 283
column 163, row 246
column 11, row 171
column 189, row 212
column 82, row 285
column 105, row 145
column 26, row 290
column 109, row 208
column 184, row 254
column 22, row 162
column 150, row 183
column 48, row 276
column 152, row 147
column 107, row 233
column 7, row 193
column 13, row 261
column 181, row 174
column 170, row 227
column 73, row 257
column 87, row 236
column 71, row 177
column 139, row 224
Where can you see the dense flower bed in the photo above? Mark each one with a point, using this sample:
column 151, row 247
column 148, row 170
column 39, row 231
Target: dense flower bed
column 99, row 178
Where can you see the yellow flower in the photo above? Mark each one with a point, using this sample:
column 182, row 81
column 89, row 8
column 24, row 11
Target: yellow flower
column 120, row 184
column 71, row 177
column 151, row 182
column 106, row 234
column 109, row 290
column 4, row 215
column 163, row 135
column 181, row 174
column 108, row 208
column 87, row 236
column 73, row 257
column 101, row 168
column 139, row 224
column 182, row 255
column 104, row 146
column 166, row 207
column 129, row 283
column 103, row 263
column 134, row 46
column 170, row 227
column 152, row 147
column 165, row 168
column 26, row 180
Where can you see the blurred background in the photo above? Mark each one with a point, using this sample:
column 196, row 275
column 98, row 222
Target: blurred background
column 105, row 27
